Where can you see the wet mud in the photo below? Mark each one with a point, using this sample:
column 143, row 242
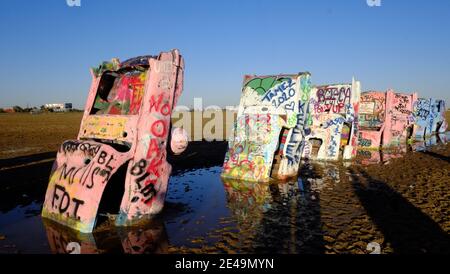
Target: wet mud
column 388, row 202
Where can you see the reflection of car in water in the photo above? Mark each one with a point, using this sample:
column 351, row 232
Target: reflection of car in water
column 268, row 137
column 370, row 156
column 334, row 127
column 122, row 144
column 149, row 239
column 248, row 201
column 429, row 141
column 385, row 118
column 274, row 217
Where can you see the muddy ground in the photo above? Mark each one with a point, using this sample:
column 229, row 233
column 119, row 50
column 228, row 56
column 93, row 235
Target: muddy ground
column 399, row 204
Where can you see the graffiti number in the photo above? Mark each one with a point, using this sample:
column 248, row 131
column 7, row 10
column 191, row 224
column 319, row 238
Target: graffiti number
column 73, row 248
column 374, row 247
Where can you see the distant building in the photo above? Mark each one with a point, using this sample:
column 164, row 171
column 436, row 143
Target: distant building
column 9, row 110
column 232, row 108
column 59, row 107
column 35, row 111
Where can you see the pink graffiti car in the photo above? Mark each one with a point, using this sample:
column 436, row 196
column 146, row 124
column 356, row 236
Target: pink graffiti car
column 385, row 118
column 126, row 125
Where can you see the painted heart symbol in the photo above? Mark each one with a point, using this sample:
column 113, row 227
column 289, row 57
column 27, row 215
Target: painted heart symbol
column 290, row 106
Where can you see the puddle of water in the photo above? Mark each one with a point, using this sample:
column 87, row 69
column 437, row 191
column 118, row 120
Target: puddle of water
column 200, row 207
column 369, row 157
column 195, row 203
column 316, row 213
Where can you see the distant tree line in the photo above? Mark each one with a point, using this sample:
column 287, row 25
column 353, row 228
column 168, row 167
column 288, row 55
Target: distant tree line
column 33, row 109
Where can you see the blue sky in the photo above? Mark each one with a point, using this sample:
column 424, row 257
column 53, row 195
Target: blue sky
column 47, row 47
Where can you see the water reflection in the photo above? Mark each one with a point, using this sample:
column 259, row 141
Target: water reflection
column 248, row 201
column 151, row 238
column 369, row 157
column 430, row 141
column 275, row 217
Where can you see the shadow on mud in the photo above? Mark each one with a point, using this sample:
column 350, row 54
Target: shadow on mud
column 23, row 185
column 23, row 160
column 198, row 155
column 437, row 156
column 405, row 226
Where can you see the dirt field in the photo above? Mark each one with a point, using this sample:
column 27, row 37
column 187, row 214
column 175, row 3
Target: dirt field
column 26, row 134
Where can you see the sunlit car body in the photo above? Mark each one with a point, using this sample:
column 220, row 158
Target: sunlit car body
column 126, row 125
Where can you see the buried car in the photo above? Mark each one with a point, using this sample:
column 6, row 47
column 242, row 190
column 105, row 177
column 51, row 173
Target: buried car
column 385, row 119
column 268, row 136
column 126, row 125
column 429, row 117
column 334, row 122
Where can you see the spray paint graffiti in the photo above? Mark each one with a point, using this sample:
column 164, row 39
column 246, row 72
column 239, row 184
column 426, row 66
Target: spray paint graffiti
column 123, row 98
column 334, row 123
column 332, row 98
column 78, row 178
column 371, row 116
column 385, row 118
column 148, row 171
column 268, row 136
column 429, row 117
column 114, row 128
column 372, row 110
column 251, row 154
column 398, row 124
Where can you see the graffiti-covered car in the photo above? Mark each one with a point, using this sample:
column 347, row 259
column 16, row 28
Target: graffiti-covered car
column 429, row 117
column 371, row 118
column 334, row 122
column 268, row 136
column 126, row 125
column 399, row 125
column 385, row 119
